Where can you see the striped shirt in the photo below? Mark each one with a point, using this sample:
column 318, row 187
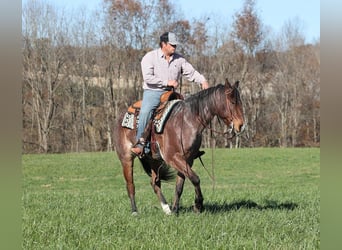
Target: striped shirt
column 157, row 71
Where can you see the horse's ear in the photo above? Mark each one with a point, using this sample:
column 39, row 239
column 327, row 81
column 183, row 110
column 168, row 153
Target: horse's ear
column 227, row 84
column 236, row 84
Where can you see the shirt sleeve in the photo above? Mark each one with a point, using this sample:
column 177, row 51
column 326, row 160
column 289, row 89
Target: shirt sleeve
column 191, row 74
column 147, row 67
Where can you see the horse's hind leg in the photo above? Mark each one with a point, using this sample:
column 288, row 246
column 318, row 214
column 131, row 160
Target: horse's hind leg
column 127, row 168
column 156, row 185
column 178, row 192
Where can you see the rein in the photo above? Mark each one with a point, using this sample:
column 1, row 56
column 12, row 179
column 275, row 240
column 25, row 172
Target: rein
column 212, row 175
column 229, row 131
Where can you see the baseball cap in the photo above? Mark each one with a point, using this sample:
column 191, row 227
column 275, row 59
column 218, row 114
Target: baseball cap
column 169, row 37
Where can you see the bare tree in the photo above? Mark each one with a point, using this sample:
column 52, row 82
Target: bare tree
column 79, row 74
column 247, row 33
column 82, row 69
column 43, row 61
column 289, row 83
column 247, row 27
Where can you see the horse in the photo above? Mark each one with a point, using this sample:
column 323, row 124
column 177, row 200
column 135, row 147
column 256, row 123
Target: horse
column 179, row 143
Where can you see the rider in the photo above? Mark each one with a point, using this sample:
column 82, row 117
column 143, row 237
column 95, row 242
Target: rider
column 162, row 69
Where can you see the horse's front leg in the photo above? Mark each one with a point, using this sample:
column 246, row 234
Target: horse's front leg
column 195, row 180
column 156, row 185
column 182, row 166
column 178, row 192
column 127, row 168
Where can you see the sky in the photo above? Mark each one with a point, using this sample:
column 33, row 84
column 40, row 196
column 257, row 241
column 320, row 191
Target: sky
column 273, row 14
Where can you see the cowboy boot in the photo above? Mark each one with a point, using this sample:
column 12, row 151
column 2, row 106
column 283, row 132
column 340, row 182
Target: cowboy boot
column 138, row 148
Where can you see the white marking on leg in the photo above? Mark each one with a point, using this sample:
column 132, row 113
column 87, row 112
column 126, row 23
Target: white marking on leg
column 166, row 208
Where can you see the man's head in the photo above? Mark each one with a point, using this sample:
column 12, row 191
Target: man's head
column 169, row 37
column 168, row 42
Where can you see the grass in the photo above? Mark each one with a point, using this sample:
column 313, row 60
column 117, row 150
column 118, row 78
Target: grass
column 261, row 198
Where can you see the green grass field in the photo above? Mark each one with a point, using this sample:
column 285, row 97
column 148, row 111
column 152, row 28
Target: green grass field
column 261, row 198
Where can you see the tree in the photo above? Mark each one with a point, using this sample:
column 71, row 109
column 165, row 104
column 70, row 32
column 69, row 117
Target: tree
column 43, row 62
column 247, row 28
column 78, row 74
column 296, row 84
column 248, row 35
column 81, row 70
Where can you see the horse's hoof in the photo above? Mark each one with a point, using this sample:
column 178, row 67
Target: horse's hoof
column 135, row 213
column 175, row 211
column 166, row 209
column 198, row 210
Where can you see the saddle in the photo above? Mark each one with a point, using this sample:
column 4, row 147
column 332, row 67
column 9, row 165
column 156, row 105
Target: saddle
column 131, row 117
column 159, row 118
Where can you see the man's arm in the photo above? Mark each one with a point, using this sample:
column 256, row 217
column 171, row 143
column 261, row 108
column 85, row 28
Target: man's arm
column 193, row 75
column 147, row 68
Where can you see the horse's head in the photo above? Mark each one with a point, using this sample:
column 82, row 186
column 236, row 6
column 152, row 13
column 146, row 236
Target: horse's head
column 233, row 112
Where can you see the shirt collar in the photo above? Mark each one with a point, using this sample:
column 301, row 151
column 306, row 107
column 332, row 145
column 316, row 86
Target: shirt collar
column 161, row 54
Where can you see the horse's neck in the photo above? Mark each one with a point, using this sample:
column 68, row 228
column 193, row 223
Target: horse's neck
column 206, row 117
column 205, row 107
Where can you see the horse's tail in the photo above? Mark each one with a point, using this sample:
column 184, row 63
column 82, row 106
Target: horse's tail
column 163, row 171
column 146, row 166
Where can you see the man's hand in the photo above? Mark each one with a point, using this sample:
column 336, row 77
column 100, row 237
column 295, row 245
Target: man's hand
column 172, row 83
column 205, row 85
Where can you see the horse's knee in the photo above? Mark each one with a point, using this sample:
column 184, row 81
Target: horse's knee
column 195, row 180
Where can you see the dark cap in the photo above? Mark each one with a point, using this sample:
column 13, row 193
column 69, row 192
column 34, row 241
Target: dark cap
column 169, row 37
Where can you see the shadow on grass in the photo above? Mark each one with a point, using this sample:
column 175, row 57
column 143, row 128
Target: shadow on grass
column 243, row 204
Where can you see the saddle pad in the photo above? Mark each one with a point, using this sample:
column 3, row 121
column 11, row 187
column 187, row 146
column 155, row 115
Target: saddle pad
column 128, row 120
column 159, row 123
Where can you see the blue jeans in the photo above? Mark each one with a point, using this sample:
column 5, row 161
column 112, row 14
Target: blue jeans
column 151, row 99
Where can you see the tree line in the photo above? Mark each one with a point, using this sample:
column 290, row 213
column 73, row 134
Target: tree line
column 81, row 69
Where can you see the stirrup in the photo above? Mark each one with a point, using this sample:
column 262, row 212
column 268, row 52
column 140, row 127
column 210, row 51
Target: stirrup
column 139, row 145
column 141, row 142
column 135, row 153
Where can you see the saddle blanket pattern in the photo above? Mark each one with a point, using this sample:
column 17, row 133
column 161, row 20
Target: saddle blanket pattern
column 159, row 123
column 128, row 121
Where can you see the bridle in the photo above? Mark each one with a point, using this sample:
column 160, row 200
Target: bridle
column 230, row 130
column 209, row 126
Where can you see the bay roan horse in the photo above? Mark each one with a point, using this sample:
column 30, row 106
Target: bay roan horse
column 180, row 141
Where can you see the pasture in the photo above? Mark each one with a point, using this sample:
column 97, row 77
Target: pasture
column 262, row 198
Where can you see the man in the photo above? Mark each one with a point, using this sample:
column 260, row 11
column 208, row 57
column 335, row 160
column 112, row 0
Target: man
column 162, row 69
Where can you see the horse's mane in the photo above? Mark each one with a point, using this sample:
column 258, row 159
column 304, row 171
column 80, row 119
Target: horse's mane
column 205, row 98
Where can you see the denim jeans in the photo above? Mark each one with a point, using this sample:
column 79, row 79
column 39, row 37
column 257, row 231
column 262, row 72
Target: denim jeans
column 151, row 99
